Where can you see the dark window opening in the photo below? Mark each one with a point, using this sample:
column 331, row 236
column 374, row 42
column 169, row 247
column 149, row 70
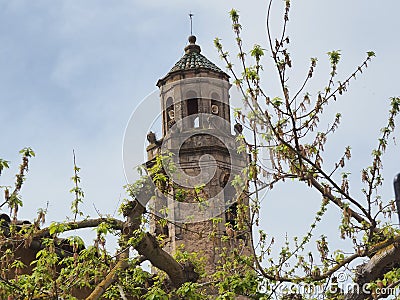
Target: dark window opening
column 231, row 220
column 178, row 233
column 161, row 229
column 231, row 215
column 170, row 113
column 165, row 230
column 169, row 103
column 230, row 200
column 192, row 107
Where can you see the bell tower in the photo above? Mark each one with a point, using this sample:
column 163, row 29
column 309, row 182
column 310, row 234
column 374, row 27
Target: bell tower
column 185, row 93
column 199, row 207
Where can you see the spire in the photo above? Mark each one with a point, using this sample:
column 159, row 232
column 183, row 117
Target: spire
column 191, row 23
column 192, row 47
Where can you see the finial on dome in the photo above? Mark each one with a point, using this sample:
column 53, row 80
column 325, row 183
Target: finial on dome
column 192, row 47
column 192, row 39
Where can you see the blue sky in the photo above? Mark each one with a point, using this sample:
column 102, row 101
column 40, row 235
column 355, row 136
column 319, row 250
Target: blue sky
column 72, row 72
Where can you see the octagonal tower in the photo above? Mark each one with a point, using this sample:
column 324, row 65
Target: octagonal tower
column 199, row 202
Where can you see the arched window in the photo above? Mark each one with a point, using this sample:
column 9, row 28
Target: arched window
column 170, row 112
column 192, row 109
column 192, row 106
column 196, row 122
column 230, row 199
column 231, row 215
column 169, row 103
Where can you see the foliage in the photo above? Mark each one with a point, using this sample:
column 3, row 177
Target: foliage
column 288, row 126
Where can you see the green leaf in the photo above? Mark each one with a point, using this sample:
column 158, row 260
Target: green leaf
column 277, row 101
column 334, row 57
column 4, row 164
column 27, row 152
column 234, row 14
column 56, row 227
column 257, row 51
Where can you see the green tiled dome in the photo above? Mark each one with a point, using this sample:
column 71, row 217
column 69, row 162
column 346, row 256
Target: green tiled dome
column 193, row 59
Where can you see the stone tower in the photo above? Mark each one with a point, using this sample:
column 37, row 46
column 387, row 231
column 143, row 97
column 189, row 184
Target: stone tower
column 199, row 201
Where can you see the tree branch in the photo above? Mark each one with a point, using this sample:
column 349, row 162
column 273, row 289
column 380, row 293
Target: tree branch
column 149, row 248
column 88, row 223
column 112, row 276
column 383, row 261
